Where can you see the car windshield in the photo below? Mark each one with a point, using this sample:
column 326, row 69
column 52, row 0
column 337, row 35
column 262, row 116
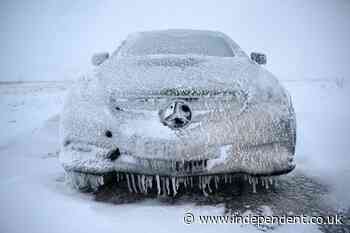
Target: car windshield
column 177, row 43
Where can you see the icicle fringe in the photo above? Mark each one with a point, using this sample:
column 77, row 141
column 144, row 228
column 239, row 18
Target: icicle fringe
column 170, row 185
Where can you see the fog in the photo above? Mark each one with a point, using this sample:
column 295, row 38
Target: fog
column 54, row 40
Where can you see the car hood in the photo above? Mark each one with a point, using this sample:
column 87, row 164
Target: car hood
column 124, row 76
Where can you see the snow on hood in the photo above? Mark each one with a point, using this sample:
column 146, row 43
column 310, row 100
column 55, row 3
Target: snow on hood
column 155, row 73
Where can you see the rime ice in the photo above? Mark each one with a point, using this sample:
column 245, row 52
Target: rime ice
column 241, row 119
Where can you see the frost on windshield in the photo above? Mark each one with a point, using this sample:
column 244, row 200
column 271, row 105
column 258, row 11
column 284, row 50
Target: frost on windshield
column 177, row 42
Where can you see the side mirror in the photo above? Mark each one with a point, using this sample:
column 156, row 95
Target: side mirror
column 98, row 58
column 259, row 58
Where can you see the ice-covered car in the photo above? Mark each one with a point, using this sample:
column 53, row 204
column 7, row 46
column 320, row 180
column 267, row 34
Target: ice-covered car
column 171, row 108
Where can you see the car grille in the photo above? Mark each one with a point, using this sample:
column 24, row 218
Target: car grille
column 172, row 166
column 191, row 166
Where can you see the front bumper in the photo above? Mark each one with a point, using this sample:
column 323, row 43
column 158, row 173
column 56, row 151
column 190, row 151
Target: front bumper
column 262, row 160
column 141, row 174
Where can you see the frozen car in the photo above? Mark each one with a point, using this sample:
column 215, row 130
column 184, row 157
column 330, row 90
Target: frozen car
column 171, row 108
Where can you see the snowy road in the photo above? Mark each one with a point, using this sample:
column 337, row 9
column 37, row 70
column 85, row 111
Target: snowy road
column 34, row 197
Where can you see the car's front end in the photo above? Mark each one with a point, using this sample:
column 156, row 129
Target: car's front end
column 161, row 115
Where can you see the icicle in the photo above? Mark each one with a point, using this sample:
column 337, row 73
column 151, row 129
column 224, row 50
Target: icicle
column 203, row 185
column 139, row 183
column 267, row 184
column 263, row 182
column 158, row 184
column 128, row 181
column 146, row 183
column 254, row 188
column 92, row 180
column 254, row 184
column 143, row 183
column 216, row 180
column 208, row 183
column 133, row 183
column 177, row 183
column 185, row 182
column 203, row 182
column 101, row 180
column 117, row 177
column 150, row 181
column 173, row 181
column 167, row 185
column 163, row 186
column 191, row 180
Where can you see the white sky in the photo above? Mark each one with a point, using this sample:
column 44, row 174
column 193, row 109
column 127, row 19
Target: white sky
column 55, row 39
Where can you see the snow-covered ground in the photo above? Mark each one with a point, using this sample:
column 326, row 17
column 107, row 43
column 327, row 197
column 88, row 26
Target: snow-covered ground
column 323, row 139
column 34, row 197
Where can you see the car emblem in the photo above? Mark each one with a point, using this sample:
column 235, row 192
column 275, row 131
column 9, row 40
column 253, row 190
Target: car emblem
column 176, row 115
